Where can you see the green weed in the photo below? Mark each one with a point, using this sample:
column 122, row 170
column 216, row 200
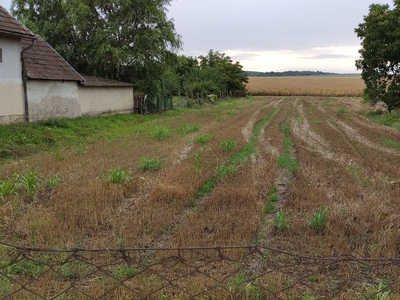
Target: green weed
column 270, row 203
column 203, row 139
column 53, row 182
column 317, row 122
column 342, row 110
column 390, row 143
column 29, row 183
column 118, row 176
column 7, row 188
column 161, row 132
column 318, row 220
column 224, row 171
column 192, row 202
column 206, row 188
column 27, row 267
column 58, row 155
column 228, row 145
column 72, row 270
column 281, row 221
column 150, row 164
column 80, row 149
column 286, row 160
column 187, row 128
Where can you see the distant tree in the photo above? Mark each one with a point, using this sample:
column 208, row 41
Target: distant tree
column 380, row 54
column 130, row 40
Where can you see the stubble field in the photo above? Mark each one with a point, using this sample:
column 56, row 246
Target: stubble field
column 308, row 176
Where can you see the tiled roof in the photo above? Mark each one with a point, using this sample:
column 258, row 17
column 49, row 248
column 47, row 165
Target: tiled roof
column 11, row 26
column 43, row 62
column 94, row 81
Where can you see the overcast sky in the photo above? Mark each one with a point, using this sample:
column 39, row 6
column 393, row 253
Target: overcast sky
column 272, row 35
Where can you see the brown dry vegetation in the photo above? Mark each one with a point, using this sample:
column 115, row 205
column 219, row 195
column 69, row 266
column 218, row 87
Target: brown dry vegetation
column 344, row 165
column 306, row 86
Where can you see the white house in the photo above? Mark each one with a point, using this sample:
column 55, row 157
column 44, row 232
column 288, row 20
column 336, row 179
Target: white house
column 36, row 83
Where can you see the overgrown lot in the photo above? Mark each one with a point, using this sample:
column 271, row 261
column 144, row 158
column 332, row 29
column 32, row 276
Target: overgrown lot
column 308, row 175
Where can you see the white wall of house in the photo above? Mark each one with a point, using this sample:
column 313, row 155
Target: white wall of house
column 103, row 100
column 12, row 104
column 52, row 99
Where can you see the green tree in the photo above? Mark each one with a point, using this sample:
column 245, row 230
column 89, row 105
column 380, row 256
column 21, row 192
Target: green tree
column 380, row 54
column 129, row 40
column 233, row 76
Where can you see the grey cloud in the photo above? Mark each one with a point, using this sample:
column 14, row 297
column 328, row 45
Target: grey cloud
column 326, row 56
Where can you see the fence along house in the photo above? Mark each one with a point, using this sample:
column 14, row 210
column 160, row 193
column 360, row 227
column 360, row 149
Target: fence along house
column 36, row 83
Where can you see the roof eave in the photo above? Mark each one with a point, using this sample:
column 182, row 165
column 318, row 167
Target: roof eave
column 16, row 35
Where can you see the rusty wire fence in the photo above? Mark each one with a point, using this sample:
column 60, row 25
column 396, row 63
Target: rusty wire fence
column 252, row 272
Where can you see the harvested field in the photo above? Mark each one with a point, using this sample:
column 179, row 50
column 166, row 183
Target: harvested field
column 306, row 86
column 309, row 182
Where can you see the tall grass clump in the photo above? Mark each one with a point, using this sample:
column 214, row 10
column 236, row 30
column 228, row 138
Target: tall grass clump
column 150, row 164
column 203, row 139
column 118, row 176
column 7, row 188
column 188, row 128
column 228, row 145
column 29, row 183
column 318, row 220
column 281, row 221
column 161, row 132
column 225, row 171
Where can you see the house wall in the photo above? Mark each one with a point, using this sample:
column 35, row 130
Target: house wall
column 52, row 99
column 102, row 100
column 12, row 104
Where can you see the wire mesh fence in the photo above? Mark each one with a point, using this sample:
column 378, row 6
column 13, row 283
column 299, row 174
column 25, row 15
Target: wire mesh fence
column 251, row 272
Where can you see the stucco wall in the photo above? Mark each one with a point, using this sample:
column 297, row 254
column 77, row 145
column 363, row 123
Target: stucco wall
column 52, row 99
column 12, row 107
column 102, row 100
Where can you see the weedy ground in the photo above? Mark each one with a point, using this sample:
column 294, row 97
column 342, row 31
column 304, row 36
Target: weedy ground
column 310, row 175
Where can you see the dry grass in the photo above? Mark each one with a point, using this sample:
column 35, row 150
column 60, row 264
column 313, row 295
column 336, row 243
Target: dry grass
column 305, row 86
column 345, row 165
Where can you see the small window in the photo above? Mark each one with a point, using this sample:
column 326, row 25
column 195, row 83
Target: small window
column 1, row 55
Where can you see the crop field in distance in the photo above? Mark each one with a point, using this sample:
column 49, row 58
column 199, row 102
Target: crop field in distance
column 307, row 175
column 335, row 86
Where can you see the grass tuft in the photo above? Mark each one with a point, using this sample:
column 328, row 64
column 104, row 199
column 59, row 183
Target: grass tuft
column 281, row 221
column 203, row 139
column 318, row 220
column 228, row 145
column 161, row 132
column 7, row 188
column 118, row 176
column 150, row 164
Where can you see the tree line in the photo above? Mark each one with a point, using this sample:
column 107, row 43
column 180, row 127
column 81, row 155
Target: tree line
column 128, row 40
column 287, row 73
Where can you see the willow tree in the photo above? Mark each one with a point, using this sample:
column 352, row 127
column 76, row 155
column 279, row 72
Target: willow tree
column 380, row 54
column 130, row 40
